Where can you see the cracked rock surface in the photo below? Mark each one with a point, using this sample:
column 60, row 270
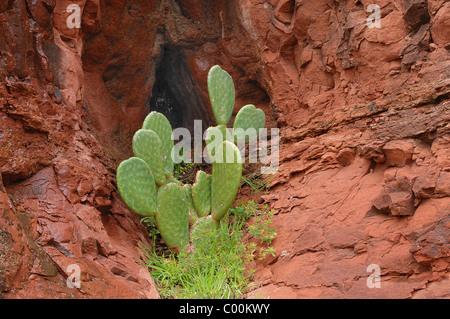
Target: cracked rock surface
column 363, row 114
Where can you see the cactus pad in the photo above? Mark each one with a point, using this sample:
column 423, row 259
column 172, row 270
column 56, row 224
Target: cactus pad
column 147, row 146
column 214, row 138
column 226, row 178
column 137, row 186
column 249, row 117
column 221, row 94
column 158, row 123
column 172, row 217
column 193, row 217
column 201, row 193
column 203, row 224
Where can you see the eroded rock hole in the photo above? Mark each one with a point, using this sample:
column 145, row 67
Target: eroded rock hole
column 176, row 95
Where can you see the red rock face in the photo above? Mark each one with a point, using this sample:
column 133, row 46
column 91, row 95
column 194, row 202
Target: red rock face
column 364, row 117
column 363, row 114
column 58, row 202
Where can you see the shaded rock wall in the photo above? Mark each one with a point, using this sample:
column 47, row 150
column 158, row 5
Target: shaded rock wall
column 363, row 114
column 58, row 203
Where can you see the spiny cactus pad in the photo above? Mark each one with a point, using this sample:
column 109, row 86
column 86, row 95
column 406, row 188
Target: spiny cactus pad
column 137, row 186
column 172, row 217
column 147, row 146
column 193, row 217
column 249, row 117
column 203, row 224
column 201, row 193
column 226, row 178
column 215, row 136
column 158, row 123
column 221, row 94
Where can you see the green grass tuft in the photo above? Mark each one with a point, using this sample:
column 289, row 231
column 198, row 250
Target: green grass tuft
column 216, row 267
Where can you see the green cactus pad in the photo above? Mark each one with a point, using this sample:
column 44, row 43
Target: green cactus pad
column 201, row 193
column 137, row 186
column 249, row 117
column 214, row 132
column 193, row 217
column 158, row 123
column 172, row 217
column 221, row 94
column 173, row 180
column 147, row 146
column 203, row 224
column 214, row 138
column 226, row 178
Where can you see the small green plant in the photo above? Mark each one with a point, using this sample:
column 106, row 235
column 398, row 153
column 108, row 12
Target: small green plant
column 149, row 222
column 214, row 269
column 184, row 171
column 217, row 267
column 147, row 182
column 257, row 183
column 261, row 229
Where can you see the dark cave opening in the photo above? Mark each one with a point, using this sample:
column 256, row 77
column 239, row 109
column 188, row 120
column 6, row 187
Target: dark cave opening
column 175, row 93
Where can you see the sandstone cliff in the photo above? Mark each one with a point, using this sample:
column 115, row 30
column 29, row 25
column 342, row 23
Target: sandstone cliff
column 365, row 137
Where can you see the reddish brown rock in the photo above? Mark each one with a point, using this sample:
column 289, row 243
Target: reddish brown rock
column 362, row 112
column 424, row 185
column 434, row 246
column 416, row 13
column 398, row 153
column 397, row 136
column 443, row 184
column 395, row 203
column 440, row 26
column 345, row 156
column 57, row 194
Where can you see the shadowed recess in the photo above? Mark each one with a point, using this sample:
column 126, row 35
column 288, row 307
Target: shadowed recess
column 174, row 93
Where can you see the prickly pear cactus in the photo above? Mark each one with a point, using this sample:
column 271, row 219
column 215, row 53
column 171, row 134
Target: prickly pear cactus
column 203, row 224
column 137, row 186
column 226, row 178
column 159, row 124
column 221, row 94
column 215, row 136
column 172, row 216
column 193, row 216
column 147, row 146
column 201, row 194
column 184, row 212
column 249, row 117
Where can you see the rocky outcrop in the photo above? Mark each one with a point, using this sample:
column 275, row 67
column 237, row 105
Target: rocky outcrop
column 363, row 113
column 58, row 204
